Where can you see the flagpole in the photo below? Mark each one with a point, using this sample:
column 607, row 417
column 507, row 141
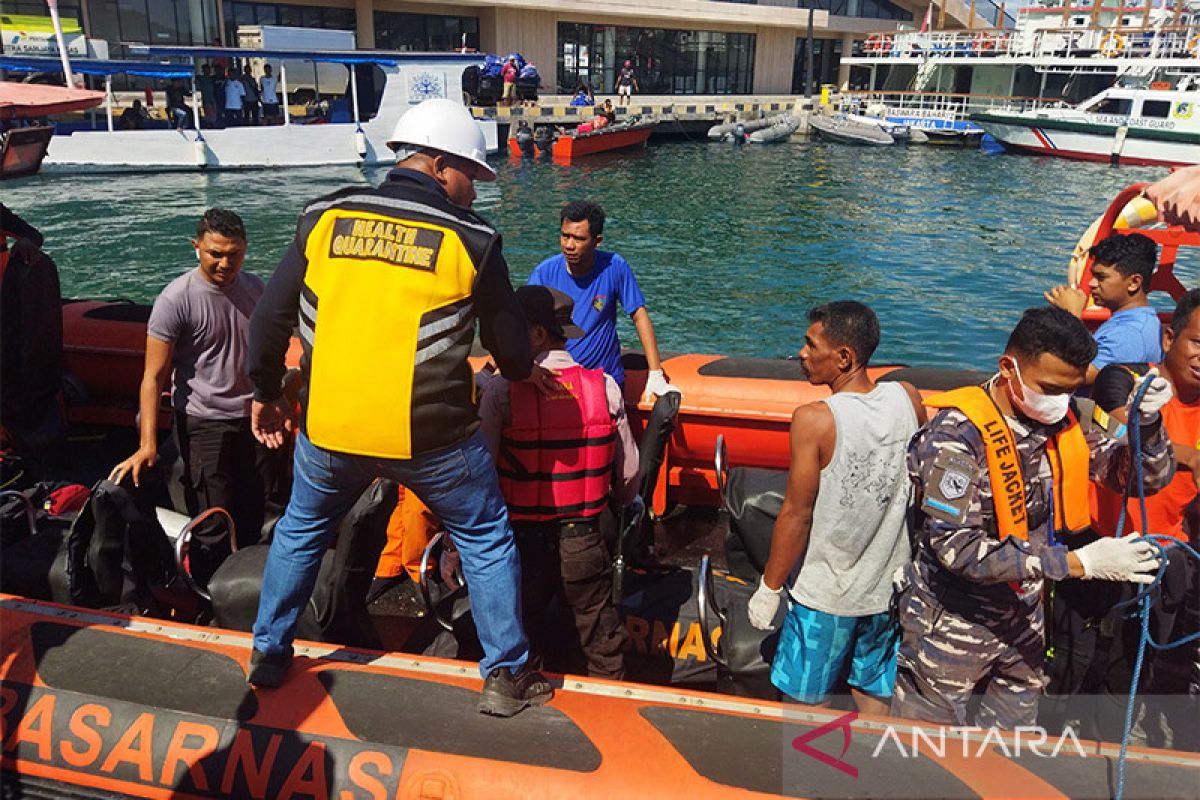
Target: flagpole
column 62, row 44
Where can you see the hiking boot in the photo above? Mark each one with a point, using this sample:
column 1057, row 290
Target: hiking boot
column 505, row 693
column 267, row 671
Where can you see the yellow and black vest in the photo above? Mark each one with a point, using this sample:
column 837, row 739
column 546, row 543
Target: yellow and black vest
column 387, row 319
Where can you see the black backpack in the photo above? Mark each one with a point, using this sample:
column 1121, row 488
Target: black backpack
column 114, row 554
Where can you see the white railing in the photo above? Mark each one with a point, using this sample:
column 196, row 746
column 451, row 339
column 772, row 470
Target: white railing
column 1115, row 42
column 943, row 105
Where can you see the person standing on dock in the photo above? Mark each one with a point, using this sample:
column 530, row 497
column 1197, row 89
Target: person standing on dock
column 198, row 338
column 562, row 458
column 626, row 84
column 508, row 77
column 1001, row 474
column 1124, row 265
column 386, row 285
column 841, row 532
column 596, row 280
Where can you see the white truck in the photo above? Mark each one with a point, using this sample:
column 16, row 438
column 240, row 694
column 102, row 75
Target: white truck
column 306, row 80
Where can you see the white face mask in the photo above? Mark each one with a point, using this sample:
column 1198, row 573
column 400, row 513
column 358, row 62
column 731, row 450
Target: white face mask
column 1044, row 408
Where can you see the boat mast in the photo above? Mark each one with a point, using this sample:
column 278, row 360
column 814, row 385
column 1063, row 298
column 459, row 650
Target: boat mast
column 62, row 44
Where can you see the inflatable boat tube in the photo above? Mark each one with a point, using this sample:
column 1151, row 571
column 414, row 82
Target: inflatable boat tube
column 102, row 705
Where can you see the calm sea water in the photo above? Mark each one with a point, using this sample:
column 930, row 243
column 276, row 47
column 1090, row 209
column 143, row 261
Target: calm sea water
column 730, row 246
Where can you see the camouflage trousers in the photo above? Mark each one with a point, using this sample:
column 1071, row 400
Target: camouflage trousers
column 973, row 663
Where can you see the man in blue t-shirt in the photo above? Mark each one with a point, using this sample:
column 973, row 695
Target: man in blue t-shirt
column 1124, row 265
column 596, row 280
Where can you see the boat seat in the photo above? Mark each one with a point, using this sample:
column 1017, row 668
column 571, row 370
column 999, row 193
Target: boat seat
column 337, row 611
column 741, row 652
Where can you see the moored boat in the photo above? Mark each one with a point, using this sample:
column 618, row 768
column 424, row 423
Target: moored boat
column 357, row 139
column 1121, row 125
column 23, row 148
column 838, row 128
column 619, row 136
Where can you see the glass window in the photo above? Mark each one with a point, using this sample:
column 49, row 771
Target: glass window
column 265, row 14
column 435, row 32
column 135, row 27
column 340, row 19
column 664, row 61
column 1114, row 105
column 1158, row 109
column 827, row 55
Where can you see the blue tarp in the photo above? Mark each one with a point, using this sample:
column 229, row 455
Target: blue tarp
column 83, row 66
column 381, row 57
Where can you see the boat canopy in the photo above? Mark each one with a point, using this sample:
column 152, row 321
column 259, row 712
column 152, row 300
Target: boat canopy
column 26, row 100
column 145, row 69
column 385, row 58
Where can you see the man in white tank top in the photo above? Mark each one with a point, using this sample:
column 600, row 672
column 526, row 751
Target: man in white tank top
column 841, row 533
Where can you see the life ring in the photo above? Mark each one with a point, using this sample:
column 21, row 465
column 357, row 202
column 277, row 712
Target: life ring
column 1112, row 45
column 983, row 41
column 1130, row 210
column 1193, row 45
column 878, row 43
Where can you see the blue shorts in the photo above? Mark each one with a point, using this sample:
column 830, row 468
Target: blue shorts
column 814, row 648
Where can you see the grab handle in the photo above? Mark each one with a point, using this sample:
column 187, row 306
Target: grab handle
column 704, row 593
column 183, row 545
column 721, row 467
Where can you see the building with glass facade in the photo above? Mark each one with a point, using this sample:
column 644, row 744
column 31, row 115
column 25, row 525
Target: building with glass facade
column 675, row 46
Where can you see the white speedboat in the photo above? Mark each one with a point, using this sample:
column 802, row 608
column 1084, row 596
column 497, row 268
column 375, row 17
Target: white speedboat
column 1159, row 125
column 400, row 80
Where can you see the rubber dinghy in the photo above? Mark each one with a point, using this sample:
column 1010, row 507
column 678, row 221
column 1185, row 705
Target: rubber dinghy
column 847, row 131
column 719, row 132
column 779, row 131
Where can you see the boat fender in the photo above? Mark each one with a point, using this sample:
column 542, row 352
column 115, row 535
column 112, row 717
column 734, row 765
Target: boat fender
column 1137, row 212
column 360, row 142
column 1112, row 45
column 983, row 41
column 200, row 152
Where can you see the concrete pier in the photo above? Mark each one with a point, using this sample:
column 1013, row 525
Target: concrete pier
column 677, row 114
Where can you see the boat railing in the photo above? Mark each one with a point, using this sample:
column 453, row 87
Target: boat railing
column 945, row 105
column 1134, row 41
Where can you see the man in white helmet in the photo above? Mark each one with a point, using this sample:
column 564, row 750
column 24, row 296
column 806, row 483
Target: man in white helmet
column 385, row 286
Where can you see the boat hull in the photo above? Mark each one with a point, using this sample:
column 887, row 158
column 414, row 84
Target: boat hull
column 1089, row 142
column 570, row 147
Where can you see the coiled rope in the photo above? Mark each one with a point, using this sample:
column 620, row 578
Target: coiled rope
column 1164, row 544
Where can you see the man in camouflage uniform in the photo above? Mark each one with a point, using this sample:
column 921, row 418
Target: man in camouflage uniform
column 973, row 618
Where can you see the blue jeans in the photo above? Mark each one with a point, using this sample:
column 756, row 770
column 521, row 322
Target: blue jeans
column 458, row 484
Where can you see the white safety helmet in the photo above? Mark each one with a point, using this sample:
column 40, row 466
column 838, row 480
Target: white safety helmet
column 444, row 125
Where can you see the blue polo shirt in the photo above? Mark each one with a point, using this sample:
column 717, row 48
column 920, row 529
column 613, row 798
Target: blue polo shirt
column 1130, row 336
column 596, row 296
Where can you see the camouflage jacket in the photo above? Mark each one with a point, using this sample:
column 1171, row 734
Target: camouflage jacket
column 958, row 548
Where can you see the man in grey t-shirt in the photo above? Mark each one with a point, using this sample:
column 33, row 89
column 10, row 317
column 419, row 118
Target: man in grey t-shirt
column 198, row 331
column 844, row 515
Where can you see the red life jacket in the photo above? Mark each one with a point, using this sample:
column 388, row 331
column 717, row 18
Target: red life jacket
column 556, row 455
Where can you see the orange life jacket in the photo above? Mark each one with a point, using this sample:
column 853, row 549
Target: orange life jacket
column 556, row 456
column 1067, row 452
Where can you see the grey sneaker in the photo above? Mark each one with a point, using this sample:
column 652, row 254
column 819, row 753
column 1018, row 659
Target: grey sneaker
column 506, row 694
column 268, row 671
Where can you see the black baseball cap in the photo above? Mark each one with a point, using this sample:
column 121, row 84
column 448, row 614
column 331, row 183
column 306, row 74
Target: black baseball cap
column 549, row 308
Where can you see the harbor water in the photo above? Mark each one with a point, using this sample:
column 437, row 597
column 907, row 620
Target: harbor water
column 731, row 246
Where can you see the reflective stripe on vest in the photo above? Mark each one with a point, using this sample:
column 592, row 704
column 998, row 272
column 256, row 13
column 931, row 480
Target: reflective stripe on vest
column 556, row 456
column 383, row 295
column 1067, row 452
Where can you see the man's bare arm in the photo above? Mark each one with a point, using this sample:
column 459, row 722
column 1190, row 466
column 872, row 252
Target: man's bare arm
column 155, row 376
column 813, row 436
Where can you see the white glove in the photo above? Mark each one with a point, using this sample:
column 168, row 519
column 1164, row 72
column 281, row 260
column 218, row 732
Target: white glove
column 1124, row 559
column 1156, row 397
column 763, row 606
column 656, row 384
